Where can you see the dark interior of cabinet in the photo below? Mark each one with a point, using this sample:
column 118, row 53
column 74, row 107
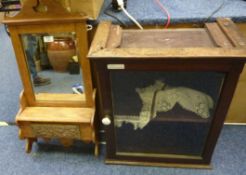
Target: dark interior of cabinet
column 163, row 138
column 177, row 131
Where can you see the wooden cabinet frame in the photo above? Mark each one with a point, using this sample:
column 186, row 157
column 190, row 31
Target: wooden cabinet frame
column 232, row 70
column 105, row 51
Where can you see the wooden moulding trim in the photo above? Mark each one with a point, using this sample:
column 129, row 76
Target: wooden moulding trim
column 44, row 21
column 179, row 25
column 166, row 30
column 55, row 14
column 232, row 32
column 56, row 115
column 115, row 37
column 93, row 107
column 158, row 164
column 50, row 28
column 60, row 100
column 60, row 97
column 21, row 62
column 101, row 37
column 81, row 33
column 186, row 53
column 64, row 103
column 93, row 116
column 23, row 103
column 218, row 36
column 158, row 155
column 60, row 104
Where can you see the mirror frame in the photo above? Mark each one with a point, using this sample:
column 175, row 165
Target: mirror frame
column 54, row 100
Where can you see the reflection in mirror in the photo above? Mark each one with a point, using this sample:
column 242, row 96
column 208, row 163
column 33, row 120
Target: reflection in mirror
column 53, row 62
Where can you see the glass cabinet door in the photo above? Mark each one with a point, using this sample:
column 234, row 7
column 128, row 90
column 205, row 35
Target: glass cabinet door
column 163, row 114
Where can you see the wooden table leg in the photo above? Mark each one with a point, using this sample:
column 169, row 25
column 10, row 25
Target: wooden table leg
column 96, row 151
column 29, row 143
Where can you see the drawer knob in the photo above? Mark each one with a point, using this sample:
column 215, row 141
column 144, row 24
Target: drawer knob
column 106, row 120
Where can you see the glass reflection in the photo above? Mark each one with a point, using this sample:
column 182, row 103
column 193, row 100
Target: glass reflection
column 168, row 113
column 53, row 62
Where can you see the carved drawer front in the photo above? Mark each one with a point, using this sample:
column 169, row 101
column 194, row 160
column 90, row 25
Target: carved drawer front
column 56, row 130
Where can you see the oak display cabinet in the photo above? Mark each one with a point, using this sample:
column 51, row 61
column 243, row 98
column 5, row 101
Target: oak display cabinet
column 54, row 103
column 164, row 94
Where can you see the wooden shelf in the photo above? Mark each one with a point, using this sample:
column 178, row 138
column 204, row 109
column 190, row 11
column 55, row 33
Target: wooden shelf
column 56, row 115
column 60, row 97
column 183, row 118
column 178, row 114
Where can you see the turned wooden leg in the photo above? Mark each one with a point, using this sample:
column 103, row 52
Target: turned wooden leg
column 29, row 142
column 21, row 135
column 96, row 151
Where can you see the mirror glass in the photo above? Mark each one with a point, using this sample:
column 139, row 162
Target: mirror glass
column 53, row 63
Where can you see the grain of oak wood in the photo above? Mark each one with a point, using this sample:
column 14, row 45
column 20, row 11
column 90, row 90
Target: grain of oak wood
column 60, row 97
column 56, row 115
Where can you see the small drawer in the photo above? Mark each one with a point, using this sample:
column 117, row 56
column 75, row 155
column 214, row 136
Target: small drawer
column 55, row 130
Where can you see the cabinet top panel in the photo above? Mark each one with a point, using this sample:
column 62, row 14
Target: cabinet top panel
column 220, row 39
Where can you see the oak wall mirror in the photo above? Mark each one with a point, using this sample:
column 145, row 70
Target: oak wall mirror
column 53, row 63
column 51, row 49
